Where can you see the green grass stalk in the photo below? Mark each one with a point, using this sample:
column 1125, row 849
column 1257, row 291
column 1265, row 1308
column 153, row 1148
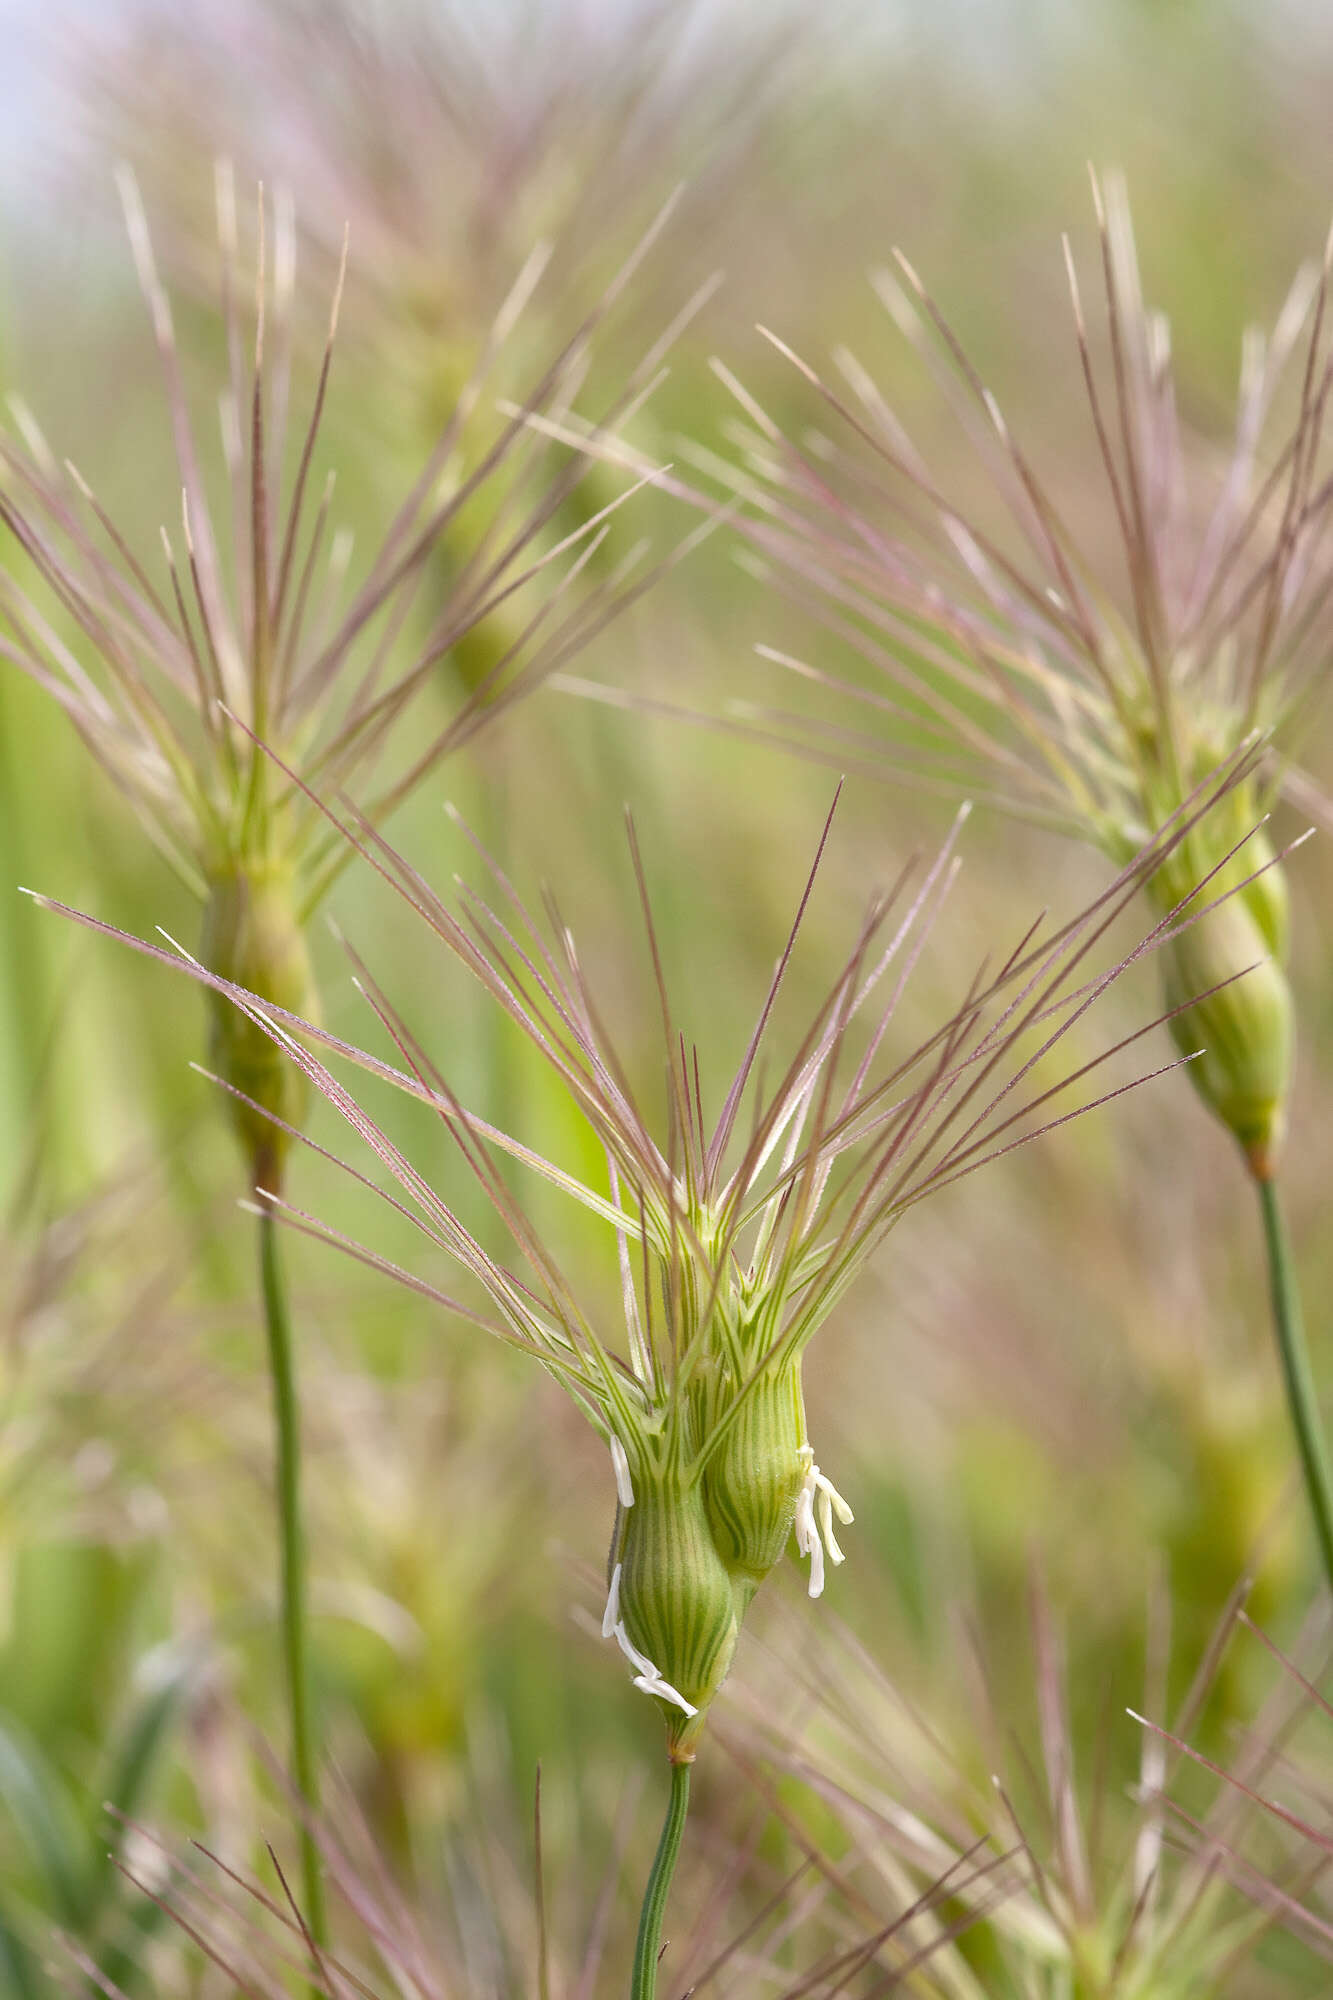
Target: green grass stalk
column 1297, row 1375
column 287, row 1425
column 643, row 1985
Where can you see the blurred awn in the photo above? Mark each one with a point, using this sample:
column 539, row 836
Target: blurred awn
column 493, row 1931
column 451, row 142
column 1251, row 1783
column 1088, row 1892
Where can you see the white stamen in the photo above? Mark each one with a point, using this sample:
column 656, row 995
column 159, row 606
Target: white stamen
column 639, row 1661
column 663, row 1691
column 611, row 1616
column 647, row 1677
column 836, row 1501
column 814, row 1539
column 835, row 1554
column 620, row 1465
column 826, row 1529
column 807, row 1535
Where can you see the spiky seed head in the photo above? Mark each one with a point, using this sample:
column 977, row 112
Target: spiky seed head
column 220, row 693
column 732, row 1249
column 753, row 1479
column 1094, row 702
column 252, row 936
column 674, row 1596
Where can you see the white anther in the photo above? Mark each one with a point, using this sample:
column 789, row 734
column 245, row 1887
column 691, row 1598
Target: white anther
column 835, row 1554
column 649, row 1678
column 620, row 1466
column 611, row 1616
column 812, row 1540
column 646, row 1675
column 639, row 1661
column 829, row 1501
column 807, row 1535
column 663, row 1691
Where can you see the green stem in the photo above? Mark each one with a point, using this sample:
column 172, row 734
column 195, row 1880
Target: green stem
column 646, row 1950
column 287, row 1422
column 1302, row 1402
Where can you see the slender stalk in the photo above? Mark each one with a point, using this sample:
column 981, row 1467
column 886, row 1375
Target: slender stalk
column 1302, row 1402
column 643, row 1986
column 287, row 1423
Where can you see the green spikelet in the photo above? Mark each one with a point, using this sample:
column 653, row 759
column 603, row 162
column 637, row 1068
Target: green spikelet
column 1268, row 899
column 1243, row 1036
column 675, row 1597
column 754, row 1478
column 251, row 936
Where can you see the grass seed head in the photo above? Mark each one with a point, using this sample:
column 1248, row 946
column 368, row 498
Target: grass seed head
column 735, row 1235
column 450, row 157
column 217, row 681
column 1086, row 696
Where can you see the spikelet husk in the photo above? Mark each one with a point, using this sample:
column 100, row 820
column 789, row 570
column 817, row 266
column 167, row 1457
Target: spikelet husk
column 252, row 937
column 1242, row 1035
column 753, row 1479
column 676, row 1598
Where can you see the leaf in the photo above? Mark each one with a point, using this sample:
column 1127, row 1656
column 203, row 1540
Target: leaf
column 32, row 1796
column 132, row 1761
column 19, row 1976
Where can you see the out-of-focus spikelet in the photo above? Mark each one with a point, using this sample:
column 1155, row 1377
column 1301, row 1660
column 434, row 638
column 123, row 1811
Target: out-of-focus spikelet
column 1086, row 1890
column 252, row 634
column 1005, row 661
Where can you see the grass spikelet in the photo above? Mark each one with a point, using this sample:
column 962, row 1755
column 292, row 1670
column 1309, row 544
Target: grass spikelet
column 257, row 635
column 1090, row 698
column 735, row 1234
